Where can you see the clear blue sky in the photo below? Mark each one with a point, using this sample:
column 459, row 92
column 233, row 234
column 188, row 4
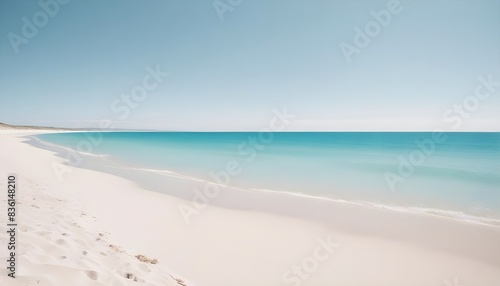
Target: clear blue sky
column 231, row 74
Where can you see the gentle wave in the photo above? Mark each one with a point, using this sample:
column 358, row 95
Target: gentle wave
column 69, row 150
column 450, row 214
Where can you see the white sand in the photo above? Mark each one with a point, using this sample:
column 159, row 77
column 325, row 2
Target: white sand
column 254, row 240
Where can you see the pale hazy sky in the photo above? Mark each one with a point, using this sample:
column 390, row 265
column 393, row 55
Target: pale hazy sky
column 230, row 74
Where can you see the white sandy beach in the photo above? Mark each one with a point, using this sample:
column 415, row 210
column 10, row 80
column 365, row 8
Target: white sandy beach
column 88, row 229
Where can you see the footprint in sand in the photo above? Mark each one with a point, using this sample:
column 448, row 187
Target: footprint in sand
column 61, row 242
column 92, row 275
column 43, row 233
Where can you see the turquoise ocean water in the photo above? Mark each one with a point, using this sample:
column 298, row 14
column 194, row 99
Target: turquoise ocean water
column 455, row 174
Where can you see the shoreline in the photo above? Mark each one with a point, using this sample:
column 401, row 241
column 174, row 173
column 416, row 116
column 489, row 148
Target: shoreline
column 454, row 215
column 249, row 237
